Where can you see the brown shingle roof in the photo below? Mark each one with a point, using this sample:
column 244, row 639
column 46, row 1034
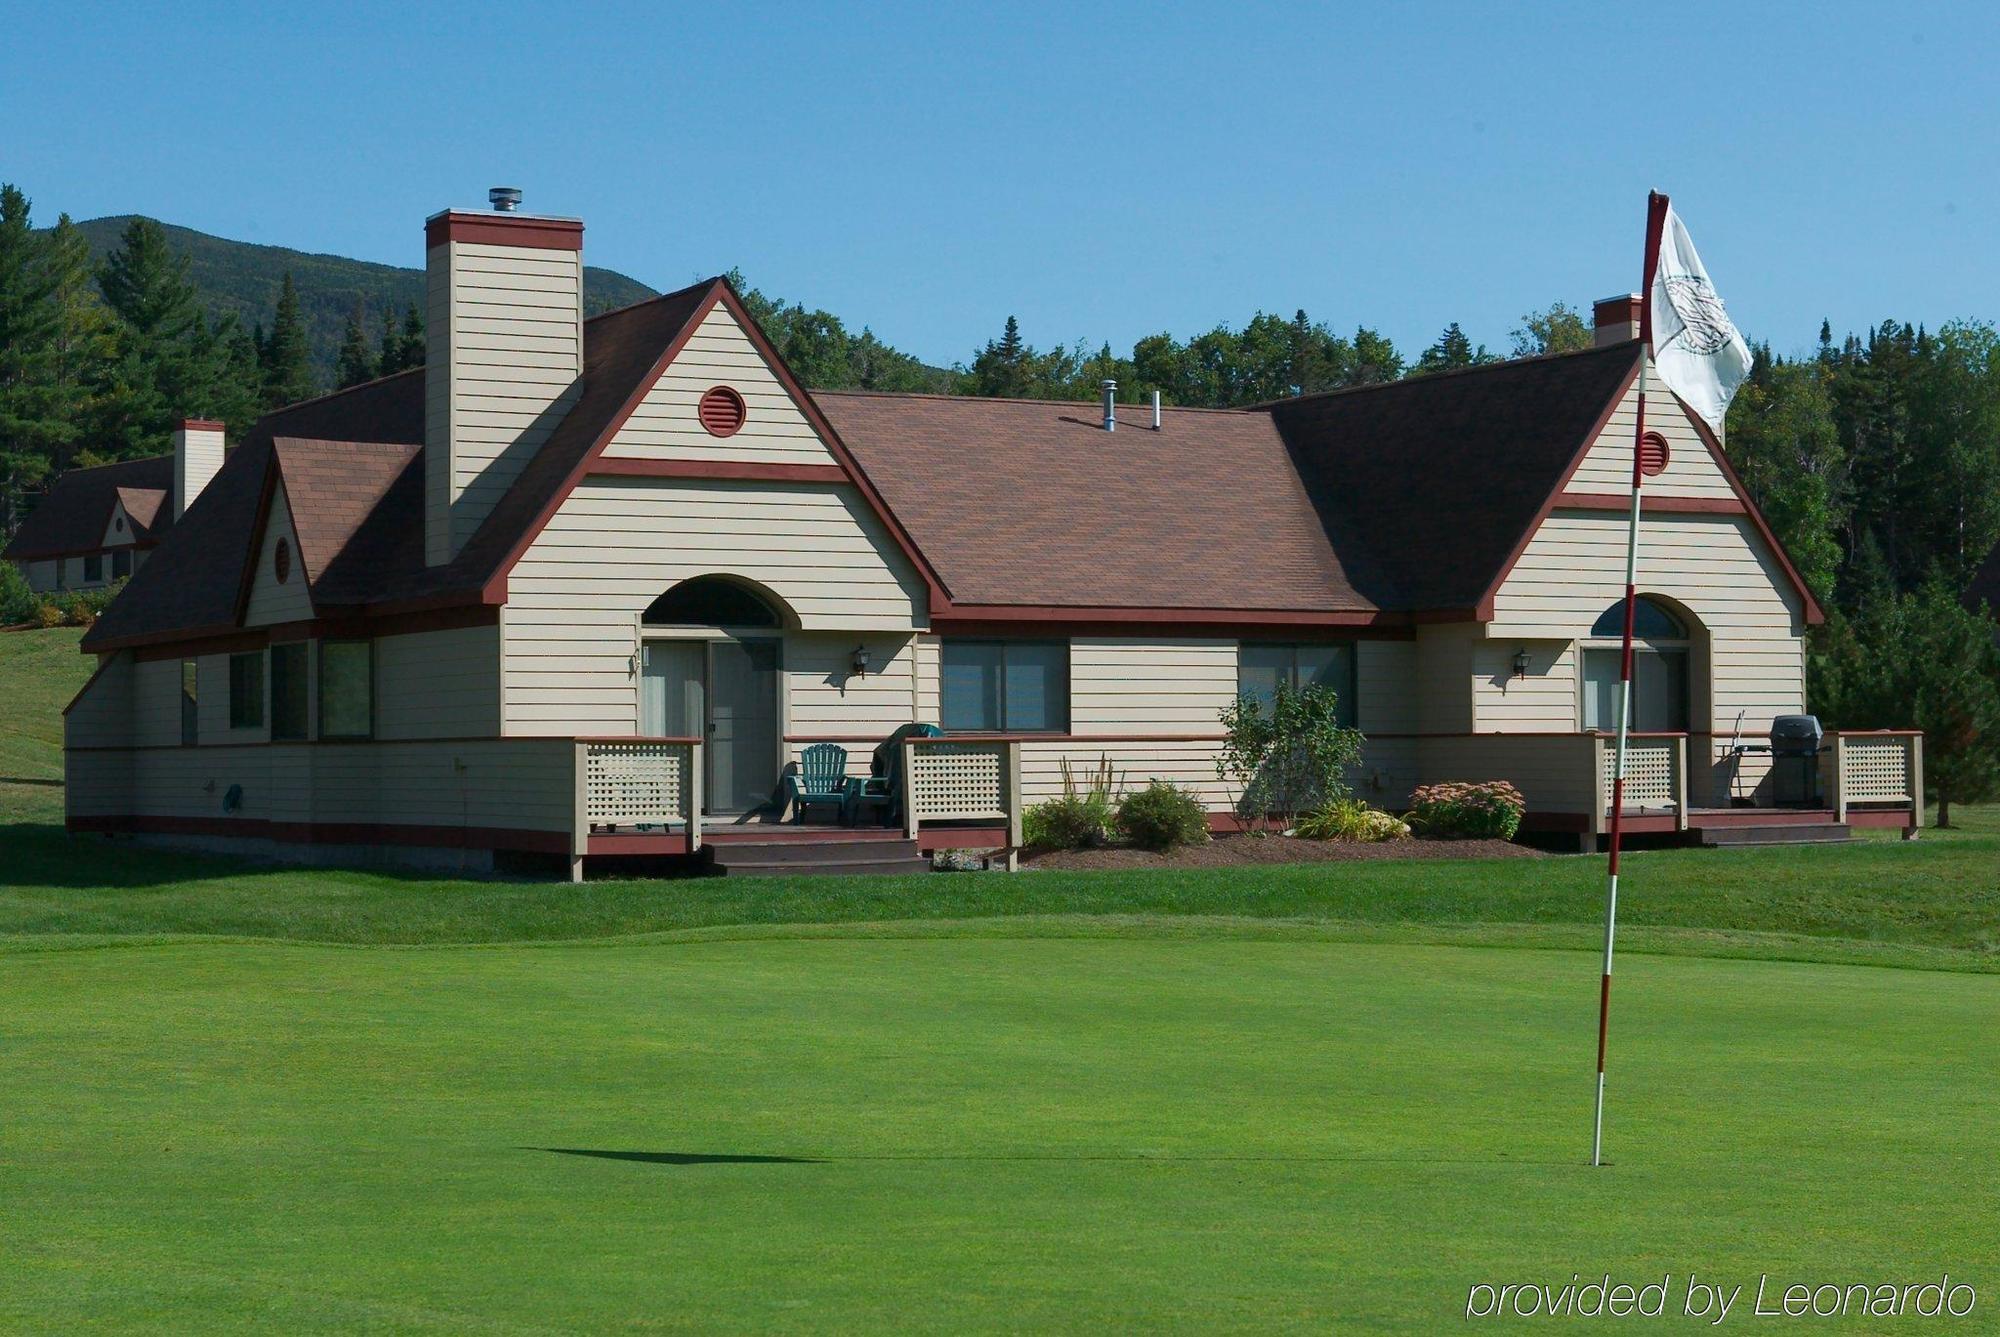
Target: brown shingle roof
column 1030, row 502
column 357, row 455
column 72, row 518
column 1404, row 498
column 1426, row 486
column 143, row 505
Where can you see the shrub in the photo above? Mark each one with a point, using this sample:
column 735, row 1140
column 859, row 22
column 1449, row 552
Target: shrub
column 1162, row 816
column 18, row 603
column 1081, row 817
column 1351, row 819
column 1288, row 758
column 48, row 614
column 1492, row 810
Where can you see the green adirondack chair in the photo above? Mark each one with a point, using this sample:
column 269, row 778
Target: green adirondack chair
column 819, row 780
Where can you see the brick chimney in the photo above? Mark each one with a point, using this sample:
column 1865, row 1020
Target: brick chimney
column 198, row 446
column 503, row 330
column 1616, row 318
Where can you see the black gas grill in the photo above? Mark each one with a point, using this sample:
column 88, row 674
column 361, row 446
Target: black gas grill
column 1796, row 741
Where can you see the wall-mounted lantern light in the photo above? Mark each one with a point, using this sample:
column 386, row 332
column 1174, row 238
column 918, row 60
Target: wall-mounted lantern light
column 860, row 661
column 1521, row 662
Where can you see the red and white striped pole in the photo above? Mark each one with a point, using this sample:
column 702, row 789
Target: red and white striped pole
column 1656, row 217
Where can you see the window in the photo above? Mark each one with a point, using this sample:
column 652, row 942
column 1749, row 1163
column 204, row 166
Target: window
column 290, row 691
column 346, row 689
column 1650, row 622
column 190, row 703
column 93, row 566
column 710, row 601
column 246, row 690
column 1659, row 690
column 1015, row 686
column 1261, row 669
column 1659, row 669
column 121, row 563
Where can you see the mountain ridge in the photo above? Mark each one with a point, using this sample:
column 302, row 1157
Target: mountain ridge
column 242, row 279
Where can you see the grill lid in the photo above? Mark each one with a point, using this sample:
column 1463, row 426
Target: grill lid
column 1795, row 734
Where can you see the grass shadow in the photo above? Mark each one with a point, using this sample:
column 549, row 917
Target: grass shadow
column 678, row 1157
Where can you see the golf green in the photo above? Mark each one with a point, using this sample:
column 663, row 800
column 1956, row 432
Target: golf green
column 944, row 1133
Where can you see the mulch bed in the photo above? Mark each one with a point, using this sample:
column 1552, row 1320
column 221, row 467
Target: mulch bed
column 1230, row 851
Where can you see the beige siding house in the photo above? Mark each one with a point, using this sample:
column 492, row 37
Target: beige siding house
column 587, row 590
column 97, row 526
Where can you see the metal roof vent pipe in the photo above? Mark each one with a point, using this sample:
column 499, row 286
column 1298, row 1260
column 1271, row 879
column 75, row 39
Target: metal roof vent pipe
column 1110, row 400
column 1156, row 410
column 504, row 199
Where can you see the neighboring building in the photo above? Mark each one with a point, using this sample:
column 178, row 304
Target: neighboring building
column 579, row 588
column 98, row 525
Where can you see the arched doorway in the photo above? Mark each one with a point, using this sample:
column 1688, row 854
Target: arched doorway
column 1662, row 683
column 713, row 652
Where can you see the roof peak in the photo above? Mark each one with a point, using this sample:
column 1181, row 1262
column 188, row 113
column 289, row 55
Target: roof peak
column 1483, row 368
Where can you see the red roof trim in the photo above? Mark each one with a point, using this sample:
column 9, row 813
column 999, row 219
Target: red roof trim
column 593, row 461
column 963, row 618
column 1814, row 614
column 933, row 584
column 616, row 467
column 203, row 425
column 1484, row 612
column 495, row 589
column 1650, row 504
column 547, row 234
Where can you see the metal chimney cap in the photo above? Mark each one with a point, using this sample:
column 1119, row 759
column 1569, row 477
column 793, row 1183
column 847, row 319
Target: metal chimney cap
column 504, row 199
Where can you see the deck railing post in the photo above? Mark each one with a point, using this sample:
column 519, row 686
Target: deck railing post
column 1914, row 763
column 1840, row 778
column 1681, row 783
column 692, row 797
column 1014, row 806
column 1598, row 801
column 579, row 831
column 908, row 781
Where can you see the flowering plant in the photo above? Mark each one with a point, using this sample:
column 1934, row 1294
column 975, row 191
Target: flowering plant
column 1491, row 809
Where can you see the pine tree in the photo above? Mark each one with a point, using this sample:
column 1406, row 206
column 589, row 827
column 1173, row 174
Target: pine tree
column 162, row 370
column 410, row 347
column 288, row 374
column 356, row 362
column 1001, row 369
column 85, row 341
column 1451, row 352
column 28, row 330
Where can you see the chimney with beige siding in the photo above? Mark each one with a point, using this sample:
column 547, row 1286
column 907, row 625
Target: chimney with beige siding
column 1616, row 318
column 503, row 356
column 198, row 446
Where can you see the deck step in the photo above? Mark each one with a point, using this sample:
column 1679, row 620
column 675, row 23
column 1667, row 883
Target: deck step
column 1798, row 833
column 802, row 858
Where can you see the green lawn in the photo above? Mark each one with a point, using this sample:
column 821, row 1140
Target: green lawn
column 1263, row 1098
column 1135, row 1131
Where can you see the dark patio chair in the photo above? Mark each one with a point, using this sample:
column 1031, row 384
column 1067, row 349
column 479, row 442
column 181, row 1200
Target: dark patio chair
column 882, row 791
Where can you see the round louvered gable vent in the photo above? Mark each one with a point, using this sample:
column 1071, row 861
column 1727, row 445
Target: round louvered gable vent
column 1653, row 454
column 722, row 411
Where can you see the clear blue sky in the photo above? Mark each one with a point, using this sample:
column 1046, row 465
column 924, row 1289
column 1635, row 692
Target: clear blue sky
column 1102, row 172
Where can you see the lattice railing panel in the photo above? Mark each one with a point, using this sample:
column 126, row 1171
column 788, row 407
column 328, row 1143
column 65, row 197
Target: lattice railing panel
column 1650, row 766
column 952, row 781
column 636, row 784
column 1875, row 770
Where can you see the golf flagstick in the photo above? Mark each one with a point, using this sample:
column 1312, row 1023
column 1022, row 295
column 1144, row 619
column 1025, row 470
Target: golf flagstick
column 1656, row 213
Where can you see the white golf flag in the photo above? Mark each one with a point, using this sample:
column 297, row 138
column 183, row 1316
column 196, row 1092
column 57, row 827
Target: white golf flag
column 1696, row 349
